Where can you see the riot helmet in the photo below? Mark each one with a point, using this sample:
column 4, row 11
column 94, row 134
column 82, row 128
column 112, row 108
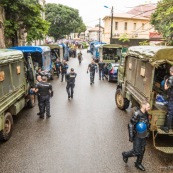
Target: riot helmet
column 141, row 130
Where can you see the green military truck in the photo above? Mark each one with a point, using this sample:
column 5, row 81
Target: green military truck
column 141, row 77
column 16, row 79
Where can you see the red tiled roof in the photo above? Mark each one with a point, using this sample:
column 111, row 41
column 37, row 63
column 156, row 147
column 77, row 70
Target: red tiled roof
column 144, row 10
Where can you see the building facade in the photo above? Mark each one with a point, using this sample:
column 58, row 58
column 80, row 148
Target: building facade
column 134, row 24
column 95, row 34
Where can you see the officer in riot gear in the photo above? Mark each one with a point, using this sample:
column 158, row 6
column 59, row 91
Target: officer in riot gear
column 70, row 78
column 80, row 57
column 169, row 87
column 63, row 70
column 138, row 132
column 44, row 89
column 92, row 68
column 101, row 65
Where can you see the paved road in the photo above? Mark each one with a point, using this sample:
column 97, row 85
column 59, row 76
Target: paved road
column 84, row 135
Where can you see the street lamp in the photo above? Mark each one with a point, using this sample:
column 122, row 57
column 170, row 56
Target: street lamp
column 112, row 13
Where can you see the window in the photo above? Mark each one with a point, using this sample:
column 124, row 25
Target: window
column 134, row 26
column 116, row 25
column 143, row 26
column 125, row 26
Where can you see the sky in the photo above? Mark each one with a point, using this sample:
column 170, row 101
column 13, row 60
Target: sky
column 92, row 10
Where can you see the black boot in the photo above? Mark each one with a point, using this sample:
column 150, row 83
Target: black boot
column 125, row 159
column 127, row 154
column 138, row 163
column 165, row 129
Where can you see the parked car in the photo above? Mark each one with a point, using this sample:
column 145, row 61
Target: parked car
column 141, row 77
column 111, row 71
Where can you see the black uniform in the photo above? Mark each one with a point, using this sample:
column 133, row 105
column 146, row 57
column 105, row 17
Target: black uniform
column 138, row 142
column 93, row 68
column 70, row 77
column 64, row 68
column 101, row 70
column 169, row 118
column 80, row 57
column 44, row 91
column 57, row 65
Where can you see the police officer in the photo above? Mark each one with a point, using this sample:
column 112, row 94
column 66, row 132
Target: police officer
column 101, row 65
column 80, row 57
column 44, row 89
column 92, row 68
column 39, row 79
column 138, row 132
column 169, row 87
column 70, row 78
column 63, row 69
column 57, row 66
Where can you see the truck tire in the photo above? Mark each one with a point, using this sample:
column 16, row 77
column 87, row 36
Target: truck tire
column 121, row 102
column 32, row 99
column 6, row 133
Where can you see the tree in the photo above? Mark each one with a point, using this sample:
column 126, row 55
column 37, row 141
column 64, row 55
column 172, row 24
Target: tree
column 23, row 16
column 124, row 38
column 64, row 20
column 162, row 19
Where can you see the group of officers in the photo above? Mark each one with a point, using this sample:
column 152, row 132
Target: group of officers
column 139, row 123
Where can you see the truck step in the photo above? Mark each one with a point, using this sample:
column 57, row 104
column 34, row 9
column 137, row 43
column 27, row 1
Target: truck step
column 160, row 131
column 168, row 150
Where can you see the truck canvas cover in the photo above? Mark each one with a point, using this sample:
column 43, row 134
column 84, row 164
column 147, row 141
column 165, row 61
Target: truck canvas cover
column 154, row 54
column 7, row 55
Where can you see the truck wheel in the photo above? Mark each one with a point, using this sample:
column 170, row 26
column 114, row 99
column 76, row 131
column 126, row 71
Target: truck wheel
column 121, row 102
column 31, row 102
column 5, row 134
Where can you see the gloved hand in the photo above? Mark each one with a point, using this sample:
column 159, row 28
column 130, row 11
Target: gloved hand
column 51, row 95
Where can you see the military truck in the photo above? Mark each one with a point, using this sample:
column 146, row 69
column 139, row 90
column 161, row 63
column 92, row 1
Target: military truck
column 16, row 80
column 140, row 77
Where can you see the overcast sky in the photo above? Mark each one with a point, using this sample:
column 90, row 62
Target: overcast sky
column 92, row 10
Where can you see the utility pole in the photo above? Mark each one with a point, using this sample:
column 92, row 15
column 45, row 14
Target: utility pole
column 99, row 28
column 112, row 15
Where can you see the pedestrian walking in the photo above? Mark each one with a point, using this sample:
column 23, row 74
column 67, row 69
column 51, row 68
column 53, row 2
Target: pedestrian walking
column 44, row 89
column 138, row 132
column 57, row 66
column 39, row 79
column 63, row 70
column 80, row 57
column 70, row 78
column 101, row 65
column 92, row 68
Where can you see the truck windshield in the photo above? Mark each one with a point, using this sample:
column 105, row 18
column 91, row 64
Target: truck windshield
column 46, row 61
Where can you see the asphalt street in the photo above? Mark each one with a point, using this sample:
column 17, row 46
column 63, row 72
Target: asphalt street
column 84, row 135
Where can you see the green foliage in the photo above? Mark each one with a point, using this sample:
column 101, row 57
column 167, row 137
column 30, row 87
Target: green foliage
column 144, row 43
column 124, row 38
column 24, row 15
column 162, row 19
column 64, row 20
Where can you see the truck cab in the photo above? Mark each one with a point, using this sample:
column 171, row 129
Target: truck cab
column 141, row 77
